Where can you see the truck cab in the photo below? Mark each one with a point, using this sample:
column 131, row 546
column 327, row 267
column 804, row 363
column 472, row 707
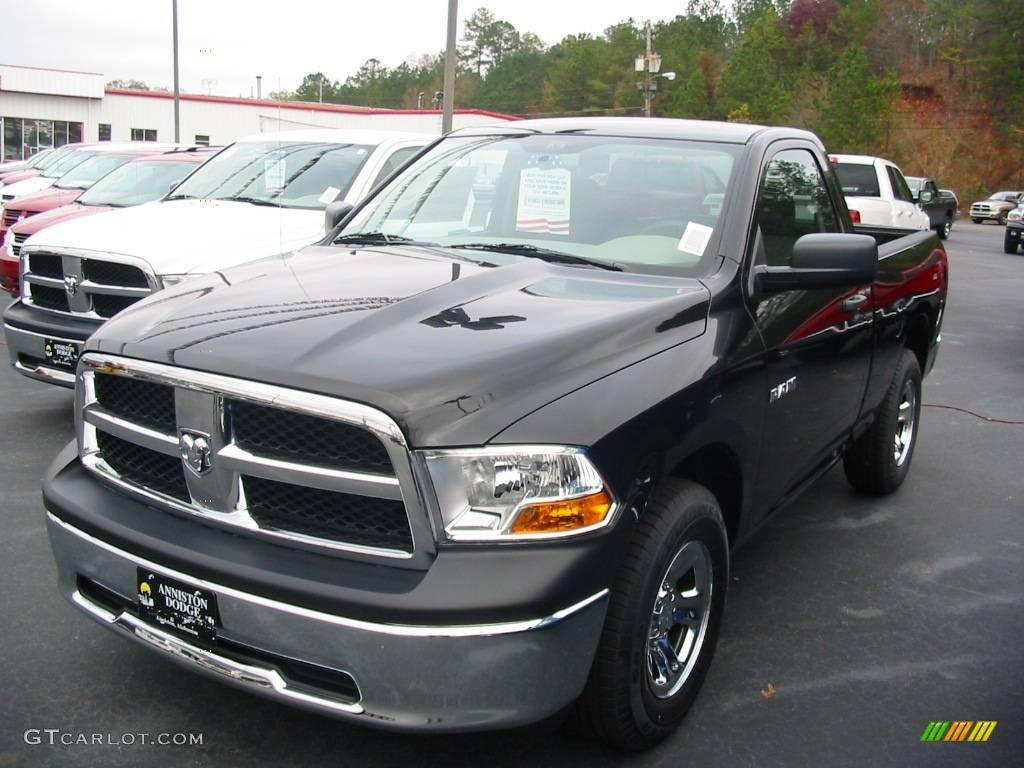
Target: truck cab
column 877, row 193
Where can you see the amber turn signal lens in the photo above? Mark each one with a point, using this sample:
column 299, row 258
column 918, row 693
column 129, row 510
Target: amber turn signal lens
column 559, row 516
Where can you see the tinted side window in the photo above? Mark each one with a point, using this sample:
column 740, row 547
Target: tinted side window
column 794, row 202
column 900, row 188
column 398, row 158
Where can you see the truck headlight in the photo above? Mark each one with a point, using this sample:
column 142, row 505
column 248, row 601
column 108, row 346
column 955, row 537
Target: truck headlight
column 513, row 492
column 1015, row 215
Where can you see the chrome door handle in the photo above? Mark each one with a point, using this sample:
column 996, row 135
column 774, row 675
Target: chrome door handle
column 854, row 302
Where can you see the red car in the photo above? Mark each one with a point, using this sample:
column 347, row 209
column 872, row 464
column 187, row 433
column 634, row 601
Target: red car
column 140, row 176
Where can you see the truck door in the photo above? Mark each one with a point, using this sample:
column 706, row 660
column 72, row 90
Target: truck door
column 817, row 343
column 908, row 215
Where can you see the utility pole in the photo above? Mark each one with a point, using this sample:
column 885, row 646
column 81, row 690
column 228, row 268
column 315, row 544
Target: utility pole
column 648, row 92
column 650, row 65
column 174, row 32
column 448, row 97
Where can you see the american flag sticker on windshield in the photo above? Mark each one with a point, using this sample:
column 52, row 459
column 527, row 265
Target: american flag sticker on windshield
column 545, row 196
column 695, row 239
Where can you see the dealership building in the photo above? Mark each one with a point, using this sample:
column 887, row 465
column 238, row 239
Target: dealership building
column 43, row 108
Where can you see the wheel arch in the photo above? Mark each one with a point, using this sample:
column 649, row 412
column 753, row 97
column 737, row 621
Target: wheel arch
column 919, row 336
column 717, row 467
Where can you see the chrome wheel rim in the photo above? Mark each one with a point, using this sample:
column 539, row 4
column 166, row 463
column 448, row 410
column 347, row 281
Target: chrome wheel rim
column 947, row 228
column 906, row 421
column 679, row 619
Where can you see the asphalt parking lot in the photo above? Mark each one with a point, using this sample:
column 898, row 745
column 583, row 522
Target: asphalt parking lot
column 867, row 618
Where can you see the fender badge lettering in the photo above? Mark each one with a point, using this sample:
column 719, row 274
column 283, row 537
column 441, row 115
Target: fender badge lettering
column 778, row 391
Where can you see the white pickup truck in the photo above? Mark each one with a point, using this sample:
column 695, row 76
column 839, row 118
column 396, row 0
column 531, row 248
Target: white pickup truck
column 262, row 196
column 877, row 193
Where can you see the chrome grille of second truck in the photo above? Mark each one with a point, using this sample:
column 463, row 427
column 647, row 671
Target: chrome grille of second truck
column 243, row 454
column 83, row 286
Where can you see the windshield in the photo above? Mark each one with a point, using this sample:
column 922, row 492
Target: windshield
column 84, row 175
column 292, row 175
column 858, row 180
column 1006, row 197
column 47, row 158
column 627, row 203
column 915, row 182
column 137, row 182
column 66, row 163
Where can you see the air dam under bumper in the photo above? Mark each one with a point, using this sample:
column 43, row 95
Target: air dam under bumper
column 411, row 678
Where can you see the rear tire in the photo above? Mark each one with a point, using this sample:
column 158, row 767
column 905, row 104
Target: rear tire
column 1009, row 244
column 879, row 460
column 663, row 620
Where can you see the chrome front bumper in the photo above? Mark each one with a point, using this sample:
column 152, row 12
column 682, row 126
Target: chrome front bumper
column 25, row 349
column 412, row 678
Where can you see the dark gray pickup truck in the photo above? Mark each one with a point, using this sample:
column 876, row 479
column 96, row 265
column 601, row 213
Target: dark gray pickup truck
column 942, row 207
column 478, row 459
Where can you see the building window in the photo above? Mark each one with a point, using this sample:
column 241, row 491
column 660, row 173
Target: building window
column 104, row 132
column 202, row 139
column 143, row 134
column 21, row 138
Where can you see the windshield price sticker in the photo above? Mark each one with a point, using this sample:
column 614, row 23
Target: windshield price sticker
column 544, row 201
column 273, row 173
column 695, row 239
column 329, row 195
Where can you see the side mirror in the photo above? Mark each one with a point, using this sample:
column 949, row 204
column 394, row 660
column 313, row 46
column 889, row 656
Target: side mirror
column 925, row 196
column 334, row 213
column 823, row 260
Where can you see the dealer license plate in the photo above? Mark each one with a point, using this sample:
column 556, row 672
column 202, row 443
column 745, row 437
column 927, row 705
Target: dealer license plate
column 178, row 607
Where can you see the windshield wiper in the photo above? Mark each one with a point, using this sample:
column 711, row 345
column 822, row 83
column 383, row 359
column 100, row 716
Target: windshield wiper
column 532, row 251
column 253, row 200
column 181, row 197
column 377, row 238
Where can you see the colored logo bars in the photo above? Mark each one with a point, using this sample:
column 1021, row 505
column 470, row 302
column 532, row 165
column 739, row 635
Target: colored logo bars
column 958, row 730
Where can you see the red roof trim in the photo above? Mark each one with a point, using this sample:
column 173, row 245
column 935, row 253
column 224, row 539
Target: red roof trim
column 51, row 69
column 302, row 105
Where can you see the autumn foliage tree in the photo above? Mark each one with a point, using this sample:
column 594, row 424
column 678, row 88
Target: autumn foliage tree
column 936, row 85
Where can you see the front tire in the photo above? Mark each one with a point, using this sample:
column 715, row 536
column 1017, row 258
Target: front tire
column 977, row 221
column 663, row 621
column 944, row 228
column 879, row 460
column 1009, row 244
column 1002, row 218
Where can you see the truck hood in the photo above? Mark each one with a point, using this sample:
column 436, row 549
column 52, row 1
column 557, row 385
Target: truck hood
column 41, row 221
column 27, row 186
column 453, row 350
column 182, row 236
column 45, row 200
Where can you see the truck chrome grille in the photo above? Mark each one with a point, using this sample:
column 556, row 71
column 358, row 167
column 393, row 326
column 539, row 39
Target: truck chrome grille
column 142, row 402
column 278, row 434
column 93, row 288
column 144, row 467
column 11, row 217
column 327, row 514
column 273, row 461
column 48, row 298
column 112, row 273
column 46, row 265
column 19, row 240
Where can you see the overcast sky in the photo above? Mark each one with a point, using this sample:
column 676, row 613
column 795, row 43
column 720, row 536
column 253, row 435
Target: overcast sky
column 224, row 44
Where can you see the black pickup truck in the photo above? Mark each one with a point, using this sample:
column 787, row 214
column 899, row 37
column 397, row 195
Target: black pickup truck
column 941, row 206
column 479, row 458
